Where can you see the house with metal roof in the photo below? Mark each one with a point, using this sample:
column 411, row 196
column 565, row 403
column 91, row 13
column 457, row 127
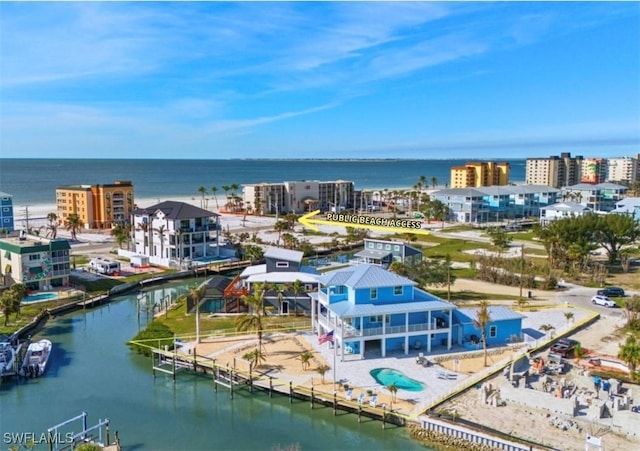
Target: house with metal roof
column 372, row 310
column 175, row 234
column 384, row 252
column 562, row 210
column 598, row 197
column 505, row 326
column 629, row 206
column 38, row 263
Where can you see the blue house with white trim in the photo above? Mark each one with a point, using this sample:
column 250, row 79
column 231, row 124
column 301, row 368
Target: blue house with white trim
column 505, row 326
column 374, row 311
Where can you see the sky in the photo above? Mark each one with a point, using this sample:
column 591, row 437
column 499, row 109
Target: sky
column 319, row 79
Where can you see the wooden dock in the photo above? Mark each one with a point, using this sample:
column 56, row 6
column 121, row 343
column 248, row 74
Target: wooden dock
column 92, row 302
column 233, row 379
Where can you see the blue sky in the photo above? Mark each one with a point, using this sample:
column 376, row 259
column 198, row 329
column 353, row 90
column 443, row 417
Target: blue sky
column 323, row 79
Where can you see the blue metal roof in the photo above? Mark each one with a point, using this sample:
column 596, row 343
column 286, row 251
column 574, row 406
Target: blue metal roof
column 364, row 276
column 346, row 308
column 496, row 313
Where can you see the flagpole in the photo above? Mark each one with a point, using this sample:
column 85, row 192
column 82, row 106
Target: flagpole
column 334, row 363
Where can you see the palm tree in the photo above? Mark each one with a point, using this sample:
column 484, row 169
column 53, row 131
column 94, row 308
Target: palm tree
column 144, row 227
column 255, row 357
column 296, row 286
column 279, row 227
column 19, row 292
column 322, row 370
column 305, row 359
column 161, row 232
column 483, row 318
column 253, row 321
column 393, row 389
column 7, row 305
column 630, row 354
column 434, row 182
column 546, row 328
column 214, row 190
column 197, row 293
column 568, row 316
column 226, row 189
column 73, row 224
column 203, row 191
column 52, row 227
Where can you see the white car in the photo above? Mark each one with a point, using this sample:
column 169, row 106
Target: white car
column 603, row 300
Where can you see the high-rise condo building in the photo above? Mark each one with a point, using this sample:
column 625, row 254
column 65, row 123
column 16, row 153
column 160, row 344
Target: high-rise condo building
column 625, row 169
column 554, row 171
column 482, row 173
column 594, row 170
column 97, row 206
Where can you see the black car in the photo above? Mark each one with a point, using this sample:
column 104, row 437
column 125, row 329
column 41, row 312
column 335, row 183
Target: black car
column 611, row 291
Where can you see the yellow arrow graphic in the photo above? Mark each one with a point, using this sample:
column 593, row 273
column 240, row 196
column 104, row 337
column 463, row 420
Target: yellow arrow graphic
column 362, row 222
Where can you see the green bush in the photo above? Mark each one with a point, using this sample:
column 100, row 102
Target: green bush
column 156, row 334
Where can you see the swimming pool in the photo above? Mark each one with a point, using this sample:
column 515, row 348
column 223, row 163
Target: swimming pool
column 39, row 297
column 388, row 376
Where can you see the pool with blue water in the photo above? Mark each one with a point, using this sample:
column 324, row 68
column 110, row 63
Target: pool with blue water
column 39, row 297
column 388, row 376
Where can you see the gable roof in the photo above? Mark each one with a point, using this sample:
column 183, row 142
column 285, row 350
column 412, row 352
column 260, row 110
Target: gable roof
column 496, row 313
column 175, row 210
column 364, row 276
column 284, row 254
column 567, row 206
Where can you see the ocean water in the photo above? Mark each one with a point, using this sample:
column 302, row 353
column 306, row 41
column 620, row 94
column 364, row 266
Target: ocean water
column 34, row 181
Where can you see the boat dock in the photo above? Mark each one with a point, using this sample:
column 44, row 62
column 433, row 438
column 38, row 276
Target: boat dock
column 234, row 379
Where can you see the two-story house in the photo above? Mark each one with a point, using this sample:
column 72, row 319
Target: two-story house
column 374, row 311
column 175, row 233
column 384, row 252
column 505, row 326
column 562, row 210
column 38, row 263
column 286, row 280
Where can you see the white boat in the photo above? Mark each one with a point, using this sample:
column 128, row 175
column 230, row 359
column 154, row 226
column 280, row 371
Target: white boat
column 36, row 358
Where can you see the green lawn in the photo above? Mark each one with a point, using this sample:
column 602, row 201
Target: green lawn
column 470, row 295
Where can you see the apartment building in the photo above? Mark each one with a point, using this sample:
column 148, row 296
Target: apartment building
column 594, row 170
column 624, row 170
column 482, row 173
column 299, row 196
column 556, row 171
column 38, row 263
column 6, row 212
column 97, row 206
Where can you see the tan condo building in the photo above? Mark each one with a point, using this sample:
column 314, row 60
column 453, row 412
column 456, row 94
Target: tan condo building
column 97, row 206
column 483, row 173
column 556, row 171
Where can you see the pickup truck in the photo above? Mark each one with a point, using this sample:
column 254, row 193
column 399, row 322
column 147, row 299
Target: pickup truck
column 563, row 347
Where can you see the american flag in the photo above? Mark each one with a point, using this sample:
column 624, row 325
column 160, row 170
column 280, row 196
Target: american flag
column 326, row 337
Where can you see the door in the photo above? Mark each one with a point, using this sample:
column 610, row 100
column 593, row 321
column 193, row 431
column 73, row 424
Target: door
column 285, row 308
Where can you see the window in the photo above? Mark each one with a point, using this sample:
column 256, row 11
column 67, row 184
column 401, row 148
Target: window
column 387, row 247
column 33, row 257
column 396, row 247
column 373, row 293
column 379, row 246
column 282, row 264
column 397, row 291
column 5, row 209
column 493, row 331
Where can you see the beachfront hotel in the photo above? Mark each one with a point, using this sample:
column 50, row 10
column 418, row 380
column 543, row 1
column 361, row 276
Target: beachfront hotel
column 36, row 262
column 482, row 173
column 299, row 197
column 97, row 206
column 556, row 171
column 6, row 212
column 173, row 233
column 372, row 311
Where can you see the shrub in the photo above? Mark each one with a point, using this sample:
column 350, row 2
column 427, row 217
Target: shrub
column 156, row 334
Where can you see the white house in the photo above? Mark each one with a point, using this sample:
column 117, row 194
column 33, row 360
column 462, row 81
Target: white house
column 560, row 211
column 173, row 233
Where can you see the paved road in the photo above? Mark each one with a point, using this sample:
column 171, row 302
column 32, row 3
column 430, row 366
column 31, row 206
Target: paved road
column 580, row 296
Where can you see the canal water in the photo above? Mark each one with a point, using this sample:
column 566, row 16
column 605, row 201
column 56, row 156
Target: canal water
column 91, row 369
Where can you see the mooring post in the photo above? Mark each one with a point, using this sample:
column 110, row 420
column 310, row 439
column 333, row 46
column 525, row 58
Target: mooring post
column 312, row 397
column 290, row 392
column 270, row 386
column 335, row 403
column 216, row 376
column 107, row 434
column 230, row 382
column 174, row 368
column 359, row 412
column 195, row 361
column 250, row 378
column 153, row 363
column 384, row 415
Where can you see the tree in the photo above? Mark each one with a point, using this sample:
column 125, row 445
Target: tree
column 305, row 359
column 255, row 358
column 19, row 292
column 73, row 224
column 52, row 226
column 393, row 389
column 499, row 237
column 630, row 353
column 546, row 328
column 144, row 227
column 197, row 293
column 254, row 253
column 7, row 305
column 426, row 271
column 296, row 286
column 568, row 316
column 322, row 370
column 613, row 231
column 203, row 191
column 434, row 182
column 279, row 227
column 632, row 310
column 214, row 190
column 160, row 230
column 253, row 320
column 483, row 318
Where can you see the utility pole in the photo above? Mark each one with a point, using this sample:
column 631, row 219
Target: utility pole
column 26, row 216
column 521, row 268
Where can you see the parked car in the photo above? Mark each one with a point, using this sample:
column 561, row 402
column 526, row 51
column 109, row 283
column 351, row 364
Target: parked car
column 611, row 291
column 603, row 300
column 563, row 347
